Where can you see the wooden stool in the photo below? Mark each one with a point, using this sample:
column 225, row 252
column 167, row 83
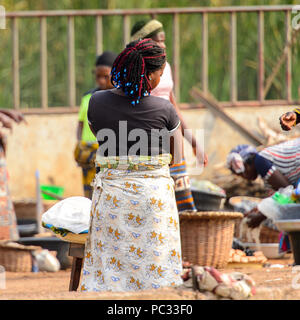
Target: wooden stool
column 77, row 252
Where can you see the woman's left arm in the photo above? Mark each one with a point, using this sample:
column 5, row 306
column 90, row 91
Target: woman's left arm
column 268, row 171
column 187, row 134
column 176, row 146
column 277, row 180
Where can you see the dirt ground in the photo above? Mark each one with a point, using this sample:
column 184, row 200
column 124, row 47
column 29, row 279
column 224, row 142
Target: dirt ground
column 271, row 283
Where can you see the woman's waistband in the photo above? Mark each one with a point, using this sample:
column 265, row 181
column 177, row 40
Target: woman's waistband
column 133, row 163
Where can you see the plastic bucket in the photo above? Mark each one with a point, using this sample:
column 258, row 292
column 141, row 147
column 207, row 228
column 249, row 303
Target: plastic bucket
column 53, row 189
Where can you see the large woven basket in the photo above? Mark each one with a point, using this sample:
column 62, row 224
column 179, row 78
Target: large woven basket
column 15, row 257
column 206, row 237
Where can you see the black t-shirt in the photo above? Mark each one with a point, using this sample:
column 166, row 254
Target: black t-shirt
column 123, row 129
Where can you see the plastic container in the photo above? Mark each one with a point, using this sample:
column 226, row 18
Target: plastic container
column 53, row 189
column 270, row 250
column 282, row 199
column 205, row 201
column 27, row 227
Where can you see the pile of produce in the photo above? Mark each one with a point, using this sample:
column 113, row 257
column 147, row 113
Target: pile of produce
column 249, row 256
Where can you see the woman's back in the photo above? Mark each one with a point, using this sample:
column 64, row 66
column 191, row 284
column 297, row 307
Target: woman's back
column 110, row 110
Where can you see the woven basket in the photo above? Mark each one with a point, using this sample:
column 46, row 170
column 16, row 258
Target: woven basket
column 268, row 235
column 206, row 237
column 15, row 257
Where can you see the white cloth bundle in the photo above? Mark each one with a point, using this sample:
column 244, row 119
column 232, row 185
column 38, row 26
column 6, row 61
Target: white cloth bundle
column 234, row 285
column 72, row 214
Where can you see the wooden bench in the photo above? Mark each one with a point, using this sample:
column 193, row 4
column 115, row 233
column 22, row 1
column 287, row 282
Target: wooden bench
column 77, row 252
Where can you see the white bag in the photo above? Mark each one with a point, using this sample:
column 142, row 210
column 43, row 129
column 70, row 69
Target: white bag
column 46, row 261
column 72, row 214
column 275, row 211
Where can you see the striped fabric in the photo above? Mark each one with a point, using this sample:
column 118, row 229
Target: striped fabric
column 183, row 194
column 285, row 158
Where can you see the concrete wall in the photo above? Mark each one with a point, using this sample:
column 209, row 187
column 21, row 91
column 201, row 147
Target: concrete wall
column 45, row 144
column 48, row 141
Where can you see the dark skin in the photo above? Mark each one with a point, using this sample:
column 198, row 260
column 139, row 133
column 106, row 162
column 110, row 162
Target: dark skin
column 277, row 180
column 160, row 39
column 288, row 121
column 102, row 77
column 176, row 139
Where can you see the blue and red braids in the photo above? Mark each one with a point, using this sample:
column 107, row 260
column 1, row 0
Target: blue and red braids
column 133, row 65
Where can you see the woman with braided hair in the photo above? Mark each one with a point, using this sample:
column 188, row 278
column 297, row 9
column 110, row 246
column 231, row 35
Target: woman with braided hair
column 134, row 240
column 154, row 29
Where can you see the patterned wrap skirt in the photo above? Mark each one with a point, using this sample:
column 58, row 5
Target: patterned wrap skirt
column 8, row 221
column 183, row 193
column 85, row 155
column 134, row 239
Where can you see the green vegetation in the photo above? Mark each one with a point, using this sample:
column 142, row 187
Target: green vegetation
column 190, row 48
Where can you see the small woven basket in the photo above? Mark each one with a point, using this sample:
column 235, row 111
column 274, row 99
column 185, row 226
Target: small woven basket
column 206, row 237
column 268, row 235
column 15, row 257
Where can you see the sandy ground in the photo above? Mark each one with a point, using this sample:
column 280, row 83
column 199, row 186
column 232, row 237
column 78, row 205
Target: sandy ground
column 271, row 283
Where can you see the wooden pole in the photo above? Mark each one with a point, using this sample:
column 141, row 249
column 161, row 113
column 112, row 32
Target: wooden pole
column 261, row 63
column 71, row 63
column 99, row 35
column 44, row 73
column 233, row 57
column 176, row 56
column 204, row 76
column 16, row 71
column 126, row 30
column 212, row 104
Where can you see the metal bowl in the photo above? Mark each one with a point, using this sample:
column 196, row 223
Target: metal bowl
column 270, row 250
column 237, row 202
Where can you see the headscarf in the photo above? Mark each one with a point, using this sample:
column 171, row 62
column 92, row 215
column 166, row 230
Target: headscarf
column 144, row 29
column 237, row 157
column 107, row 58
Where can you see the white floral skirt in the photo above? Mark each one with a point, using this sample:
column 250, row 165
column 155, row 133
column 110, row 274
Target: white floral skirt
column 134, row 238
